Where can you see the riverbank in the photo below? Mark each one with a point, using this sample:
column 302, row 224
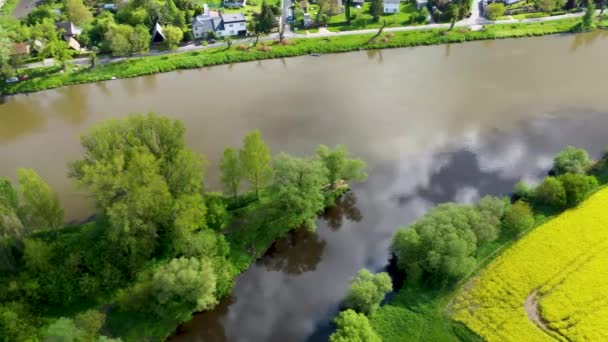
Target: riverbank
column 49, row 78
column 422, row 313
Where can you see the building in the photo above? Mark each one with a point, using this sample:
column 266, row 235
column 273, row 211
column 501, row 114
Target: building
column 233, row 24
column 391, row 6
column 69, row 29
column 235, row 3
column 421, row 3
column 2, row 2
column 20, row 50
column 307, row 20
column 158, row 35
column 221, row 24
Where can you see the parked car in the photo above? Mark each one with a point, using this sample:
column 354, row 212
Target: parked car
column 12, row 80
column 211, row 41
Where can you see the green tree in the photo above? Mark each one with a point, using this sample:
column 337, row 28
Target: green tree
column 41, row 208
column 125, row 40
column 263, row 22
column 217, row 215
column 353, row 327
column 495, row 10
column 375, row 9
column 551, row 192
column 183, row 282
column 77, row 12
column 367, row 290
column 62, row 330
column 340, row 165
column 518, row 218
column 58, row 50
column 587, row 23
column 545, row 5
column 347, row 5
column 572, row 160
column 255, row 161
column 523, row 190
column 442, row 242
column 144, row 181
column 6, row 50
column 297, row 189
column 173, row 36
column 577, row 186
column 231, row 173
column 89, row 323
column 451, row 13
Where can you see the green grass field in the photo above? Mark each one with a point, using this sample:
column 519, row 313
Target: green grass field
column 362, row 19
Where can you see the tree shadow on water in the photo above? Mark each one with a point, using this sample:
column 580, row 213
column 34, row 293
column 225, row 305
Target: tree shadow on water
column 300, row 251
column 213, row 330
column 345, row 207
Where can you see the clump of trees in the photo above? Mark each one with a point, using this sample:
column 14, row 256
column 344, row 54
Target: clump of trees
column 442, row 244
column 495, row 10
column 353, row 326
column 367, row 290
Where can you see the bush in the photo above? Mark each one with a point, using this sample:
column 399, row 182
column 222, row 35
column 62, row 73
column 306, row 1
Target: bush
column 523, row 190
column 577, row 186
column 551, row 192
column 367, row 290
column 518, row 218
column 217, row 214
column 353, row 327
column 571, row 160
column 495, row 10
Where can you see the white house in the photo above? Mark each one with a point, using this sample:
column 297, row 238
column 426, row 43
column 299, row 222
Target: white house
column 391, row 6
column 235, row 3
column 232, row 24
column 421, row 3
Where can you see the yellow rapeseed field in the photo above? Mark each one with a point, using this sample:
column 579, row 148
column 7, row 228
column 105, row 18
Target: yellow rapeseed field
column 551, row 285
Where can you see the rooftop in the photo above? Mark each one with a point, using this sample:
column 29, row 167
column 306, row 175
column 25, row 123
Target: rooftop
column 233, row 17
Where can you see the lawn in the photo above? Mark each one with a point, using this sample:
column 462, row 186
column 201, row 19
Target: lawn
column 362, row 19
column 556, row 275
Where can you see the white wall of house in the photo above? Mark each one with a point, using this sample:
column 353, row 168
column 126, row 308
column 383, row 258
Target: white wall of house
column 198, row 32
column 232, row 29
column 391, row 7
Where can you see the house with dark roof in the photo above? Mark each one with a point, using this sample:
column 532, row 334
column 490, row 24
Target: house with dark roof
column 158, row 35
column 69, row 29
column 232, row 24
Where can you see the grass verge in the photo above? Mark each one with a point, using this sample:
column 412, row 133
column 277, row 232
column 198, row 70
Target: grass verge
column 296, row 47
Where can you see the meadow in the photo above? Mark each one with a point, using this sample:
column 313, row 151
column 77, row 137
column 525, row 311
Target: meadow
column 549, row 285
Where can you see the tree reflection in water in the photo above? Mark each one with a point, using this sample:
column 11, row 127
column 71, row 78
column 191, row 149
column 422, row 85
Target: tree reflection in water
column 346, row 206
column 212, row 321
column 300, row 251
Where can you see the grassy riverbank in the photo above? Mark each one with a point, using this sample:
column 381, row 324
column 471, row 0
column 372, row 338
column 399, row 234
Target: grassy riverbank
column 424, row 313
column 296, row 47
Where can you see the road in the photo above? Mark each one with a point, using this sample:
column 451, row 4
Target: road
column 477, row 20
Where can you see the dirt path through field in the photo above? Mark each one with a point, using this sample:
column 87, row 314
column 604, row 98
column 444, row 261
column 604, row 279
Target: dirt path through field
column 533, row 312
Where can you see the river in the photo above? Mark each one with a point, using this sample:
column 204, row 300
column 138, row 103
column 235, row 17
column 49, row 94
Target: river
column 435, row 124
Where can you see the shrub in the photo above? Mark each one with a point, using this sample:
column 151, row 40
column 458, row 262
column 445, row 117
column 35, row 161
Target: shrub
column 518, row 218
column 577, row 186
column 495, row 10
column 572, row 160
column 523, row 190
column 551, row 192
column 353, row 327
column 367, row 290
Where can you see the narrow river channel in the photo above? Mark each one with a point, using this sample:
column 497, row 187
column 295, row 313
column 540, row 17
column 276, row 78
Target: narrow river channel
column 435, row 124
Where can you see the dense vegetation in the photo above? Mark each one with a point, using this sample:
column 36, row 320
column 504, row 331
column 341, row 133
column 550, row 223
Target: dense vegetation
column 446, row 246
column 159, row 247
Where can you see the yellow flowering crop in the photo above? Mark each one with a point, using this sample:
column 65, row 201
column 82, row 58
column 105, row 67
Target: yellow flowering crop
column 551, row 285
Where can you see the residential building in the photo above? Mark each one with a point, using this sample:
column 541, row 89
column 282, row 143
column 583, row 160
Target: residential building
column 158, row 35
column 69, row 29
column 307, row 20
column 20, row 49
column 235, row 3
column 231, row 24
column 421, row 3
column 391, row 6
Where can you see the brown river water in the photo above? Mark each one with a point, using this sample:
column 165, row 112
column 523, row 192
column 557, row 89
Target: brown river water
column 435, row 124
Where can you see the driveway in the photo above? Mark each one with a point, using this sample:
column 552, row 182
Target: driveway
column 25, row 7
